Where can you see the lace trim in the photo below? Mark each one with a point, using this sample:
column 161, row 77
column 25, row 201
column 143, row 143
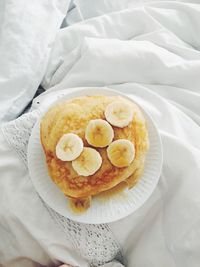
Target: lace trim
column 95, row 243
column 17, row 133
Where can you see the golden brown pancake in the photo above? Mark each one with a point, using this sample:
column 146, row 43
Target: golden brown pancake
column 72, row 116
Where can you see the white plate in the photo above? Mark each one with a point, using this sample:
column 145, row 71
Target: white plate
column 100, row 211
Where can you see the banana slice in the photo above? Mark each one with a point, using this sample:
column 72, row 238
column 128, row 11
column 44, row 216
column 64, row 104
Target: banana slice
column 88, row 162
column 69, row 147
column 99, row 133
column 121, row 153
column 80, row 205
column 119, row 114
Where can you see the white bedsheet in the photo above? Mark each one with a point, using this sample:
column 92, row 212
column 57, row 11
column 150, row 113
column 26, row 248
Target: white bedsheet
column 151, row 52
column 27, row 32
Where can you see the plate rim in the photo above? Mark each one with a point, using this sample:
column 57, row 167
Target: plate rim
column 75, row 92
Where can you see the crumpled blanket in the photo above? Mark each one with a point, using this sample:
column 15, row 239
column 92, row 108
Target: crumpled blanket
column 150, row 51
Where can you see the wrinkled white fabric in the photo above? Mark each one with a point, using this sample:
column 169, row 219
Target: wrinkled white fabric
column 27, row 32
column 150, row 52
column 84, row 9
column 29, row 236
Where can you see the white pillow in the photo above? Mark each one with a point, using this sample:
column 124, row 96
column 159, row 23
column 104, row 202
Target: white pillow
column 27, row 32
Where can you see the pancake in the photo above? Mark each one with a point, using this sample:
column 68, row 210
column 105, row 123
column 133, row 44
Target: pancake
column 73, row 116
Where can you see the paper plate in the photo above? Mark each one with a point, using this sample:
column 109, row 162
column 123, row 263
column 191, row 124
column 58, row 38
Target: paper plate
column 113, row 208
